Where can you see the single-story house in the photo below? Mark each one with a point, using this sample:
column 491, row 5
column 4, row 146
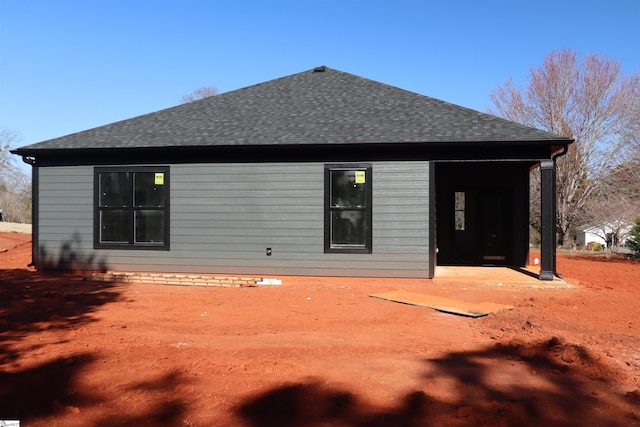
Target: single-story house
column 608, row 234
column 318, row 173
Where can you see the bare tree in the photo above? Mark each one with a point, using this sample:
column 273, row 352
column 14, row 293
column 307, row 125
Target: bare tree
column 200, row 93
column 614, row 204
column 611, row 218
column 590, row 101
column 632, row 135
column 7, row 160
column 15, row 185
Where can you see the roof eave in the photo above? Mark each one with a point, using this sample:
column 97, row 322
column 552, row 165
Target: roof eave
column 556, row 145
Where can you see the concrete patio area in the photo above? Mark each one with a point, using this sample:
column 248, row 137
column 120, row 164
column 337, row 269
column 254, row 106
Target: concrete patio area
column 495, row 276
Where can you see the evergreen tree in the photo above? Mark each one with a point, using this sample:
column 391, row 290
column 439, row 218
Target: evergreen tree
column 634, row 237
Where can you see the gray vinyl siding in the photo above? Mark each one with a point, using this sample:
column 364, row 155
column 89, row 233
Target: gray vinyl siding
column 65, row 216
column 224, row 216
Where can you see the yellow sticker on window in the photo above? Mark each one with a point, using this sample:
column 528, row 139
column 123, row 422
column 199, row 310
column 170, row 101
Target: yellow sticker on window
column 360, row 177
column 159, row 178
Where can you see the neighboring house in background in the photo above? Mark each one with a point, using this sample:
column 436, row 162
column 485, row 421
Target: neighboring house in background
column 610, row 234
column 317, row 173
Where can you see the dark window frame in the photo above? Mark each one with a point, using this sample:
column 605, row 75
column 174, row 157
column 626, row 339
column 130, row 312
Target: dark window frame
column 131, row 209
column 367, row 247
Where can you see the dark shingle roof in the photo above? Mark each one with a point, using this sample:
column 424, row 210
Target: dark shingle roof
column 312, row 107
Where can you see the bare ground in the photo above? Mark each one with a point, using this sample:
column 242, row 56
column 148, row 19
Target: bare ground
column 316, row 352
column 13, row 227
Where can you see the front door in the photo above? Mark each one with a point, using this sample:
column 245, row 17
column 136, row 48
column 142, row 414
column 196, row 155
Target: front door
column 480, row 228
column 493, row 227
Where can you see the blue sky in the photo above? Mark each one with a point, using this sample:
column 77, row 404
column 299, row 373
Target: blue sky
column 67, row 66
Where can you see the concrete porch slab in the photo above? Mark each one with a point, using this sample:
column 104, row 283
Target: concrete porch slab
column 495, row 276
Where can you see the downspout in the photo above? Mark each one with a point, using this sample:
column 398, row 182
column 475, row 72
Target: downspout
column 31, row 161
column 565, row 149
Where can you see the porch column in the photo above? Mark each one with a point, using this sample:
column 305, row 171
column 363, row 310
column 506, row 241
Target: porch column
column 547, row 219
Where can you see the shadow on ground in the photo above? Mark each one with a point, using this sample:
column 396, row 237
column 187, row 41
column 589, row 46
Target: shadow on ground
column 165, row 408
column 32, row 302
column 36, row 388
column 578, row 393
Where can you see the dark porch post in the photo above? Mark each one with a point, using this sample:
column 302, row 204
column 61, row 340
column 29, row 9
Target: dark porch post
column 547, row 218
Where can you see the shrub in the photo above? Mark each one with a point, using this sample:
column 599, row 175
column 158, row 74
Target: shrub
column 596, row 246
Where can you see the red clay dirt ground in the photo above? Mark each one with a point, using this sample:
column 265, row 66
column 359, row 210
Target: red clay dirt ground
column 316, row 352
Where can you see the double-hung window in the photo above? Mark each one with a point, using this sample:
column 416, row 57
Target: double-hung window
column 348, row 208
column 131, row 208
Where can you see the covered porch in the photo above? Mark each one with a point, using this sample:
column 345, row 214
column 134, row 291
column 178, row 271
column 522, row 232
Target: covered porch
column 482, row 220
